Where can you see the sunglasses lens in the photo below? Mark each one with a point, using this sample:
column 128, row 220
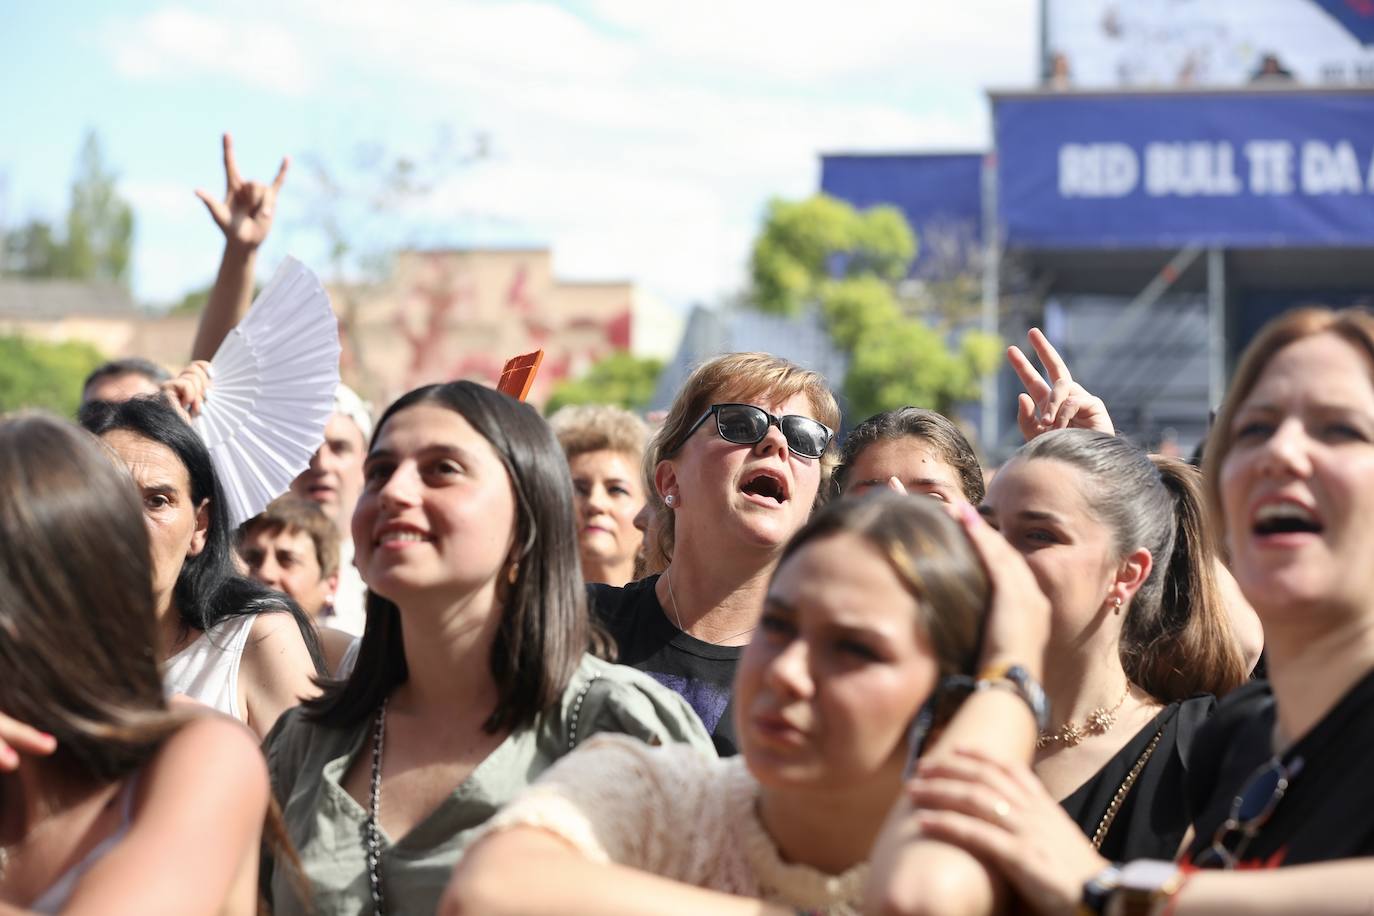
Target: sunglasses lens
column 741, row 424
column 805, row 436
column 1258, row 796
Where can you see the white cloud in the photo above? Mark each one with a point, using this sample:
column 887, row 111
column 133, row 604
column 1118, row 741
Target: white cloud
column 177, row 42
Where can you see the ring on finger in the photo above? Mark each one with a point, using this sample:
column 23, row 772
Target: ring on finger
column 1002, row 809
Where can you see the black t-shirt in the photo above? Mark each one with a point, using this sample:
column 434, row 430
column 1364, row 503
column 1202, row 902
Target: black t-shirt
column 1153, row 816
column 1328, row 810
column 701, row 672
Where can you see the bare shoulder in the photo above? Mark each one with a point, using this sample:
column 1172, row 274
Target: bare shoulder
column 209, row 750
column 275, row 644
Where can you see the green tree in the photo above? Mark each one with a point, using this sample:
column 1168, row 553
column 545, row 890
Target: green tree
column 99, row 228
column 622, row 379
column 44, row 375
column 822, row 253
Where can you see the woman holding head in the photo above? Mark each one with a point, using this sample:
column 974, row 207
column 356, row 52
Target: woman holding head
column 874, row 605
column 103, row 788
column 605, row 447
column 737, row 464
column 472, row 675
column 225, row 640
column 1281, row 771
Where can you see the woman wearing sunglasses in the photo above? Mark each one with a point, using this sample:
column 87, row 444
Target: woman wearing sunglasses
column 1280, row 789
column 736, row 465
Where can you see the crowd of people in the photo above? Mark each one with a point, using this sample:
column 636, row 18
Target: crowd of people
column 474, row 661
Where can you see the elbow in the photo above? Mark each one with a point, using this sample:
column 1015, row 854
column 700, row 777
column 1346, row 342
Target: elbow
column 948, row 891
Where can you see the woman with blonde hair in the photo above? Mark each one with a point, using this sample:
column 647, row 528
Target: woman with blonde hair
column 605, row 447
column 737, row 465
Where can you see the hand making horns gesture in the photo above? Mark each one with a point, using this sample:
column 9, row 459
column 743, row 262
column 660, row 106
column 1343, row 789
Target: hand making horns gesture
column 245, row 214
column 1059, row 403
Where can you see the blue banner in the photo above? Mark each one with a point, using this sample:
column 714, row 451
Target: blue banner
column 1356, row 15
column 939, row 193
column 1243, row 170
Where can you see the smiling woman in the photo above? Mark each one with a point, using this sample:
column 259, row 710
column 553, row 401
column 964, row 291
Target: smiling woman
column 736, row 466
column 472, row 675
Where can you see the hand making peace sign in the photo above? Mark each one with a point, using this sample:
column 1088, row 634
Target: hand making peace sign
column 1059, row 403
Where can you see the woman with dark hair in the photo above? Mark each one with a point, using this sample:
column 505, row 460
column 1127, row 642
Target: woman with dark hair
column 226, row 641
column 472, row 675
column 103, row 790
column 1139, row 635
column 1280, row 789
column 734, row 470
column 876, row 606
column 919, row 449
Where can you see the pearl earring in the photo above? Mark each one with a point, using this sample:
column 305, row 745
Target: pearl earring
column 671, row 500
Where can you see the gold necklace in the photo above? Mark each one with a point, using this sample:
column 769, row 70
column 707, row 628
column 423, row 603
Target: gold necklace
column 668, row 580
column 1099, row 722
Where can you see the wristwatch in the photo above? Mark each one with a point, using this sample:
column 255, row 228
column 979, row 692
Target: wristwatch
column 1097, row 890
column 1144, row 883
column 1019, row 681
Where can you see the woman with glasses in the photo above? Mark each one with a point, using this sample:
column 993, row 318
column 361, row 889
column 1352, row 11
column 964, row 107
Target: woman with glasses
column 1280, row 789
column 737, row 465
column 874, row 603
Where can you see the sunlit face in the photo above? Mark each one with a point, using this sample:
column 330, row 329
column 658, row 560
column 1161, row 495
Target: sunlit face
column 176, row 526
column 727, row 494
column 1297, row 485
column 335, row 475
column 608, row 495
column 120, row 388
column 912, row 461
column 437, row 513
column 1040, row 508
column 835, row 673
column 286, row 560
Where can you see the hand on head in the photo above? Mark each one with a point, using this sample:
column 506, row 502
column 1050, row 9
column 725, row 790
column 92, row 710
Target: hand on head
column 1058, row 403
column 245, row 214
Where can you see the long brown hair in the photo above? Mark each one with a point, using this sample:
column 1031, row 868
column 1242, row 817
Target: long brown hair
column 544, row 628
column 77, row 630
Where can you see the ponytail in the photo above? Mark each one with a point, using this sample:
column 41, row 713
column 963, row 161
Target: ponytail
column 1187, row 647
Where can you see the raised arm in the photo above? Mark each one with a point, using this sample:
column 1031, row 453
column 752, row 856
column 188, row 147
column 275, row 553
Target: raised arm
column 245, row 217
column 913, row 871
column 1058, row 403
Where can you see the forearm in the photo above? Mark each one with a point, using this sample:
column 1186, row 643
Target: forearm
column 1327, row 889
column 527, row 872
column 229, row 299
column 912, row 875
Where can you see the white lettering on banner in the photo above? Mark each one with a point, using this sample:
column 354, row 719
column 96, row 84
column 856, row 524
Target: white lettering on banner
column 1330, row 169
column 1191, row 170
column 1097, row 170
column 1271, row 166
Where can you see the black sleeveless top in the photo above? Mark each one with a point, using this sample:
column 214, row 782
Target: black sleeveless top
column 1153, row 815
column 1328, row 810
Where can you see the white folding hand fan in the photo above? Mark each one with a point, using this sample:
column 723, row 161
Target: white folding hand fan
column 272, row 392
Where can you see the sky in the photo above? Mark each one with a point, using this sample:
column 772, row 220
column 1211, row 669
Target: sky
column 639, row 140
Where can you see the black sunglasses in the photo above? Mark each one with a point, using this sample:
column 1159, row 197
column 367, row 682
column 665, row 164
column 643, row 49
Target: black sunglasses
column 745, row 424
column 1250, row 811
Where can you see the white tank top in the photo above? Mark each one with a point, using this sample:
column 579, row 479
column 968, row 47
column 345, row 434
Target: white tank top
column 207, row 670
